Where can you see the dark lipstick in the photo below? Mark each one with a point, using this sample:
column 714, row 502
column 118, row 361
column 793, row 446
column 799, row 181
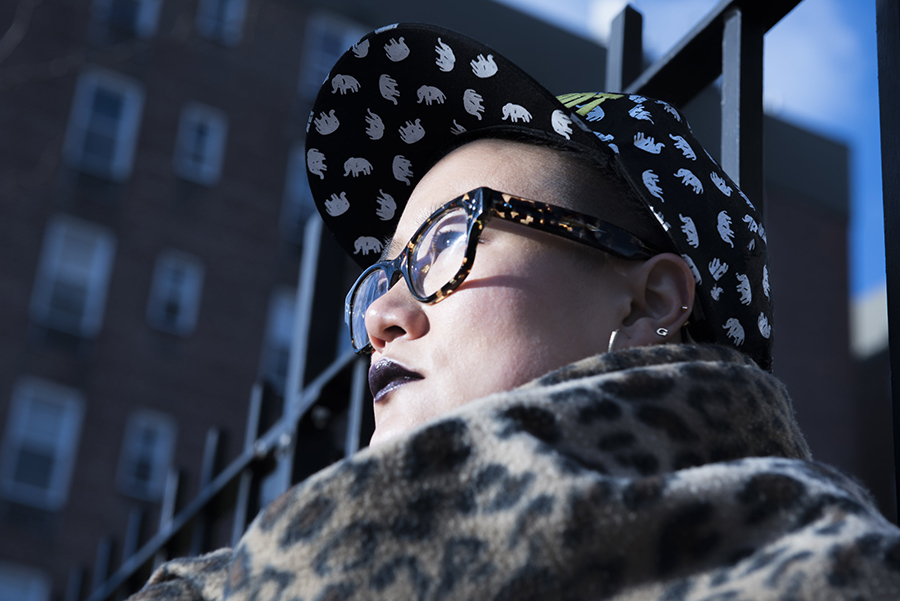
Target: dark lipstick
column 386, row 375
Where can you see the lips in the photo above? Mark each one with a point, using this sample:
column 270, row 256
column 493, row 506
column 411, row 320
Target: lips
column 387, row 375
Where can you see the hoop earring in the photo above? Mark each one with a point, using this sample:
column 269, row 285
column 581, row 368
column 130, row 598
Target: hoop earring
column 612, row 340
column 662, row 332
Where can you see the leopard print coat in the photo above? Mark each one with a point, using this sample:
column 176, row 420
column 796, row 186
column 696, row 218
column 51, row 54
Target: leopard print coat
column 668, row 473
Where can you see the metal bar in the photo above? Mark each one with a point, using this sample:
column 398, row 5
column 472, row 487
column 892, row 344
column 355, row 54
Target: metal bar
column 167, row 513
column 133, row 532
column 242, row 504
column 696, row 61
column 742, row 103
column 888, row 28
column 253, row 450
column 625, row 49
column 207, row 472
column 354, row 418
column 75, row 584
column 101, row 562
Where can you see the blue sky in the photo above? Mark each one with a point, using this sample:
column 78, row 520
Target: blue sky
column 820, row 73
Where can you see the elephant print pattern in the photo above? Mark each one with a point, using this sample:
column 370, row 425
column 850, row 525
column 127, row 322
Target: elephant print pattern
column 402, row 94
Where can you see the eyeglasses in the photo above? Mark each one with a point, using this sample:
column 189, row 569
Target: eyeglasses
column 439, row 256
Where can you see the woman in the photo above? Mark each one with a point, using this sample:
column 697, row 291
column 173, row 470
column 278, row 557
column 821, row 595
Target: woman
column 541, row 432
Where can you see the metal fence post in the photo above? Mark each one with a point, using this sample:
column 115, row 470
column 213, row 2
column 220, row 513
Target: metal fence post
column 625, row 49
column 888, row 27
column 742, row 103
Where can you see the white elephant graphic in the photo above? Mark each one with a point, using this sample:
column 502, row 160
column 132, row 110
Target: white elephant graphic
column 562, row 123
column 337, row 205
column 445, row 57
column 315, row 162
column 724, row 227
column 595, row 114
column 402, row 169
column 472, row 103
column 457, row 129
column 694, row 271
column 690, row 230
column 743, row 288
column 344, row 84
column 764, row 328
column 717, row 268
column 640, row 113
column 412, row 132
column 637, row 99
column 356, row 166
column 374, row 126
column 651, row 182
column 735, row 331
column 387, row 85
column 364, row 244
column 647, row 144
column 396, row 50
column 716, row 292
column 515, row 112
column 386, row 206
column 430, row 94
column 669, row 109
column 484, row 67
column 689, row 179
column 685, row 148
column 720, row 183
column 361, row 49
column 326, row 124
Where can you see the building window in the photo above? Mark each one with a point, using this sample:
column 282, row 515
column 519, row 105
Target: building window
column 73, row 276
column 279, row 333
column 222, row 20
column 200, row 145
column 21, row 583
column 175, row 293
column 40, row 443
column 128, row 18
column 327, row 38
column 103, row 125
column 146, row 454
column 298, row 204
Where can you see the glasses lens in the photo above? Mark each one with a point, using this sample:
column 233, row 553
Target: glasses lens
column 367, row 292
column 440, row 251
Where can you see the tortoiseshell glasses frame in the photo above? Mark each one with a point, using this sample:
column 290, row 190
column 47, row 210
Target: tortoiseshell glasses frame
column 448, row 256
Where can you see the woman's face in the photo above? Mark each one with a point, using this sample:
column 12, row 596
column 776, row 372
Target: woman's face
column 533, row 302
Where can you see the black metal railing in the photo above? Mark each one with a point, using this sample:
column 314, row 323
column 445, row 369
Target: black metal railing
column 888, row 26
column 727, row 43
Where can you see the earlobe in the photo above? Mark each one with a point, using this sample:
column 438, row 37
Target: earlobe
column 663, row 295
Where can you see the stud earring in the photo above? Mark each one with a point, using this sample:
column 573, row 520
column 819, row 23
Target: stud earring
column 662, row 332
column 684, row 309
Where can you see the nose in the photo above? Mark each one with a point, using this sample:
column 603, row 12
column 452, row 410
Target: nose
column 395, row 315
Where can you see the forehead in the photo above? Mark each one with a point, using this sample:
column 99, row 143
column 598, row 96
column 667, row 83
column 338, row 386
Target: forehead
column 524, row 170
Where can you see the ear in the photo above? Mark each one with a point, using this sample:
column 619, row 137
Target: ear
column 662, row 298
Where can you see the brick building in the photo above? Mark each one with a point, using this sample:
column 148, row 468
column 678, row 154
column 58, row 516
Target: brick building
column 152, row 202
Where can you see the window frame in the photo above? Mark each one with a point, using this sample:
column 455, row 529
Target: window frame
column 164, row 453
column 297, row 204
column 72, row 403
column 191, row 297
column 37, row 582
column 209, row 171
column 81, row 118
column 146, row 22
column 279, row 335
column 50, row 266
column 317, row 63
column 229, row 29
